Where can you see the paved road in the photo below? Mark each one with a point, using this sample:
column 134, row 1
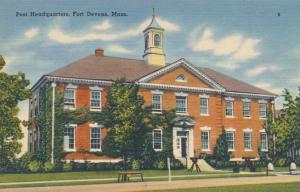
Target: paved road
column 143, row 186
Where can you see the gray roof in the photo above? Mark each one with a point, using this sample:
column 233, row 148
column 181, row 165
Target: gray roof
column 112, row 68
column 153, row 24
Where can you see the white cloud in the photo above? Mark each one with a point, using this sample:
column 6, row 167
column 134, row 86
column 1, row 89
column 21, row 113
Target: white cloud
column 224, row 46
column 231, row 50
column 167, row 25
column 65, row 38
column 103, row 26
column 228, row 65
column 118, row 49
column 269, row 87
column 247, row 50
column 31, row 32
column 260, row 69
column 295, row 80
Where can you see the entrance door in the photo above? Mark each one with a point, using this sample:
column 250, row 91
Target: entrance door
column 183, row 147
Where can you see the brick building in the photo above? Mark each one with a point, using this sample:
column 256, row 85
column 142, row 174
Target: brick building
column 213, row 99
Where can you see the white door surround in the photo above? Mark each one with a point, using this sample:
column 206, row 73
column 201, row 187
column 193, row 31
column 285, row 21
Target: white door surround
column 183, row 137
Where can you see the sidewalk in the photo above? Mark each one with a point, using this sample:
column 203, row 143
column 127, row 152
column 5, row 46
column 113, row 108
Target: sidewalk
column 159, row 185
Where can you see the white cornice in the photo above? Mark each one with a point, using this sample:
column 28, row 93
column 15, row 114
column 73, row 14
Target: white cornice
column 176, row 88
column 252, row 95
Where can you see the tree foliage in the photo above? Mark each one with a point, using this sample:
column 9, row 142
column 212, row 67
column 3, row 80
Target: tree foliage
column 284, row 131
column 13, row 89
column 221, row 153
column 125, row 117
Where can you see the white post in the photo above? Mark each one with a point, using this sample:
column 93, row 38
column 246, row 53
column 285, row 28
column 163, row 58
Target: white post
column 53, row 85
column 169, row 168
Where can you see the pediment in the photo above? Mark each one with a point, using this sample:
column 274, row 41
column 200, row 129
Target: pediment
column 180, row 73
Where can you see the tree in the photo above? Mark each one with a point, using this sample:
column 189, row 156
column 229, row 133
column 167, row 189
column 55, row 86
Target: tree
column 125, row 117
column 221, row 153
column 13, row 88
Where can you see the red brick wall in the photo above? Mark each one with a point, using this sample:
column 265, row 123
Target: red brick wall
column 216, row 119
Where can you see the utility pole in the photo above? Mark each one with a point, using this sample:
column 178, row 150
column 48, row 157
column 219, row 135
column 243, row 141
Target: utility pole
column 53, row 85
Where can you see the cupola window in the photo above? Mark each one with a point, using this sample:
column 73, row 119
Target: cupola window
column 146, row 42
column 156, row 40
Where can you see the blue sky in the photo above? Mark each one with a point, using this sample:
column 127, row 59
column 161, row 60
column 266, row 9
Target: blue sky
column 245, row 39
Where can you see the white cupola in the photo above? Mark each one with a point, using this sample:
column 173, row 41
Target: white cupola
column 154, row 48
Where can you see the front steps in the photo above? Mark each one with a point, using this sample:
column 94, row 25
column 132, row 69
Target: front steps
column 204, row 166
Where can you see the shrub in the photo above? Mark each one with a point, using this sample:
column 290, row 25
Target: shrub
column 67, row 167
column 136, row 164
column 281, row 162
column 48, row 166
column 24, row 162
column 176, row 164
column 298, row 161
column 236, row 168
column 160, row 164
column 34, row 166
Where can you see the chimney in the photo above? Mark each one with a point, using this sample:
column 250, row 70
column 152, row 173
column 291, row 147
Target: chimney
column 99, row 52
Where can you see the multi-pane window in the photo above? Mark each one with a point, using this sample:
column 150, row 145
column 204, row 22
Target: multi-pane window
column 263, row 141
column 95, row 99
column 69, row 138
column 157, row 139
column 229, row 108
column 262, row 110
column 95, row 138
column 248, row 140
column 69, row 98
column 156, row 102
column 205, row 140
column 156, row 40
column 181, row 104
column 230, row 140
column 246, row 109
column 204, row 106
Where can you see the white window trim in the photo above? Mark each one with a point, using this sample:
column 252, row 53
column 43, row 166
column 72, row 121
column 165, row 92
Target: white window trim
column 231, row 130
column 157, row 92
column 70, row 86
column 247, row 131
column 161, row 132
column 247, row 101
column 204, row 97
column 95, row 125
column 208, row 131
column 229, row 99
column 179, row 80
column 260, row 117
column 161, row 103
column 181, row 94
column 96, row 88
column 264, row 131
column 68, row 149
column 232, row 106
column 263, row 101
column 205, row 128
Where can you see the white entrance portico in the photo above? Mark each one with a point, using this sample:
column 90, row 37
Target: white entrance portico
column 183, row 139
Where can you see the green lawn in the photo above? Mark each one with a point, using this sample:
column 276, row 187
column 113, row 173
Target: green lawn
column 23, row 177
column 283, row 187
column 149, row 175
column 262, row 169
